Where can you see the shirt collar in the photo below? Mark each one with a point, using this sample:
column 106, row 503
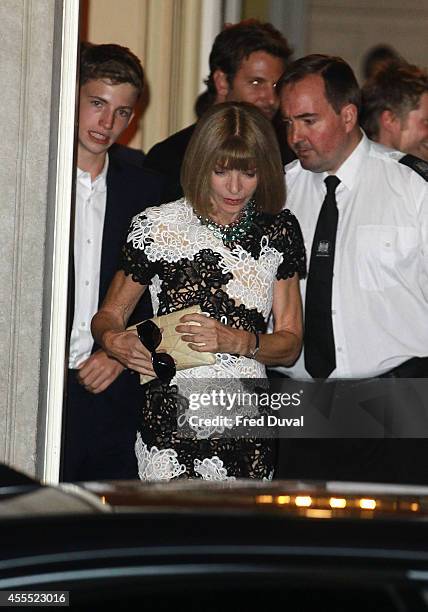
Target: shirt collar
column 100, row 182
column 349, row 171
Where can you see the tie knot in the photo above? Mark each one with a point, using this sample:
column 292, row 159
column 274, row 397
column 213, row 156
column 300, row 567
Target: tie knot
column 331, row 183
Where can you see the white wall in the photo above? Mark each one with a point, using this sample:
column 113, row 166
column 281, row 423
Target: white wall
column 350, row 27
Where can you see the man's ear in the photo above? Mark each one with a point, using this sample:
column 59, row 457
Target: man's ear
column 389, row 122
column 350, row 116
column 389, row 129
column 221, row 85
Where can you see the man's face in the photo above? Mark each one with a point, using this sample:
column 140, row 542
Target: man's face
column 412, row 136
column 255, row 82
column 321, row 138
column 104, row 113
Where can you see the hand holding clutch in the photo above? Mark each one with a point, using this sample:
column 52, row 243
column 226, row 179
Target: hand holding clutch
column 172, row 344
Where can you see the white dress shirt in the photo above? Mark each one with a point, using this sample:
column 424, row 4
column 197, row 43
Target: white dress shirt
column 380, row 282
column 91, row 197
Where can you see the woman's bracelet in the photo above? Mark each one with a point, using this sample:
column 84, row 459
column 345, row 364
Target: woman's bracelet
column 252, row 354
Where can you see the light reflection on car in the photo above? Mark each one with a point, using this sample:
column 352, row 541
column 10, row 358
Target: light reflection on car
column 239, row 545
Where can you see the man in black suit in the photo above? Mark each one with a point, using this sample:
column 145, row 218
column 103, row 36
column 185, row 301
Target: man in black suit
column 127, row 154
column 246, row 61
column 102, row 397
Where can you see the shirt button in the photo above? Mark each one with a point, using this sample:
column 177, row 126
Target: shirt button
column 89, row 241
column 388, row 244
column 83, row 324
column 333, row 312
column 86, row 283
column 339, row 349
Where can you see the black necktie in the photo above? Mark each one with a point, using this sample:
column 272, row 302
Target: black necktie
column 320, row 354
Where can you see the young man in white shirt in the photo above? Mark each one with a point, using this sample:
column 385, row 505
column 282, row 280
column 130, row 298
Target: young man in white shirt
column 102, row 398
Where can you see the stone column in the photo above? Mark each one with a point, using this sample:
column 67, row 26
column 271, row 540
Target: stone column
column 31, row 36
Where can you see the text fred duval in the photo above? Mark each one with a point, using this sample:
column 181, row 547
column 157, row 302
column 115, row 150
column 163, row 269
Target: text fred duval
column 240, row 420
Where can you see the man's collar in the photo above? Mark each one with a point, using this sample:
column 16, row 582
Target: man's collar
column 350, row 169
column 100, row 180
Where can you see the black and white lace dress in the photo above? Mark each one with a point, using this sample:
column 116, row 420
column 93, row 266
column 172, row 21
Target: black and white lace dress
column 186, row 264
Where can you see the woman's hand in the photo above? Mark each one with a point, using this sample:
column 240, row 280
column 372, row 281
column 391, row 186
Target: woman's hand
column 211, row 336
column 282, row 347
column 108, row 325
column 126, row 347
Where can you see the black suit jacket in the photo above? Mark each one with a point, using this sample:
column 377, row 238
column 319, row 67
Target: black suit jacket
column 129, row 191
column 99, row 430
column 166, row 157
column 127, row 154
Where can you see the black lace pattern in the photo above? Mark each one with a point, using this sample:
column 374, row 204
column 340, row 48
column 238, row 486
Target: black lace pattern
column 205, row 278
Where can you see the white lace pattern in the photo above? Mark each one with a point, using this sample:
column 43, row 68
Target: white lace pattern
column 157, row 464
column 175, row 232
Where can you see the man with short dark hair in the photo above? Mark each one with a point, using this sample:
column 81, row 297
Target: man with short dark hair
column 100, row 418
column 395, row 108
column 246, row 61
column 380, row 280
column 364, row 218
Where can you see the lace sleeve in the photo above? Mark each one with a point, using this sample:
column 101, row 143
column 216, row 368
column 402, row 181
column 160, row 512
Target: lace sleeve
column 134, row 258
column 290, row 243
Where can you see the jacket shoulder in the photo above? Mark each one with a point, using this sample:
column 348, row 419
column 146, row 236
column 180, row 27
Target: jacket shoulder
column 124, row 170
column 417, row 164
column 174, row 144
column 127, row 154
column 134, row 186
column 394, row 156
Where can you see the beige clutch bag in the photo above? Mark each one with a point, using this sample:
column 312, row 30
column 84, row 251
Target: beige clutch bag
column 172, row 344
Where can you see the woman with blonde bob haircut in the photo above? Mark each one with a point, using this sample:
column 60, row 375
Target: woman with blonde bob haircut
column 229, row 248
column 235, row 136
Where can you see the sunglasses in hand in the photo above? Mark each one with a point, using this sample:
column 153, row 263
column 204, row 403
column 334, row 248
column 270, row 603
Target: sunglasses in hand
column 151, row 337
